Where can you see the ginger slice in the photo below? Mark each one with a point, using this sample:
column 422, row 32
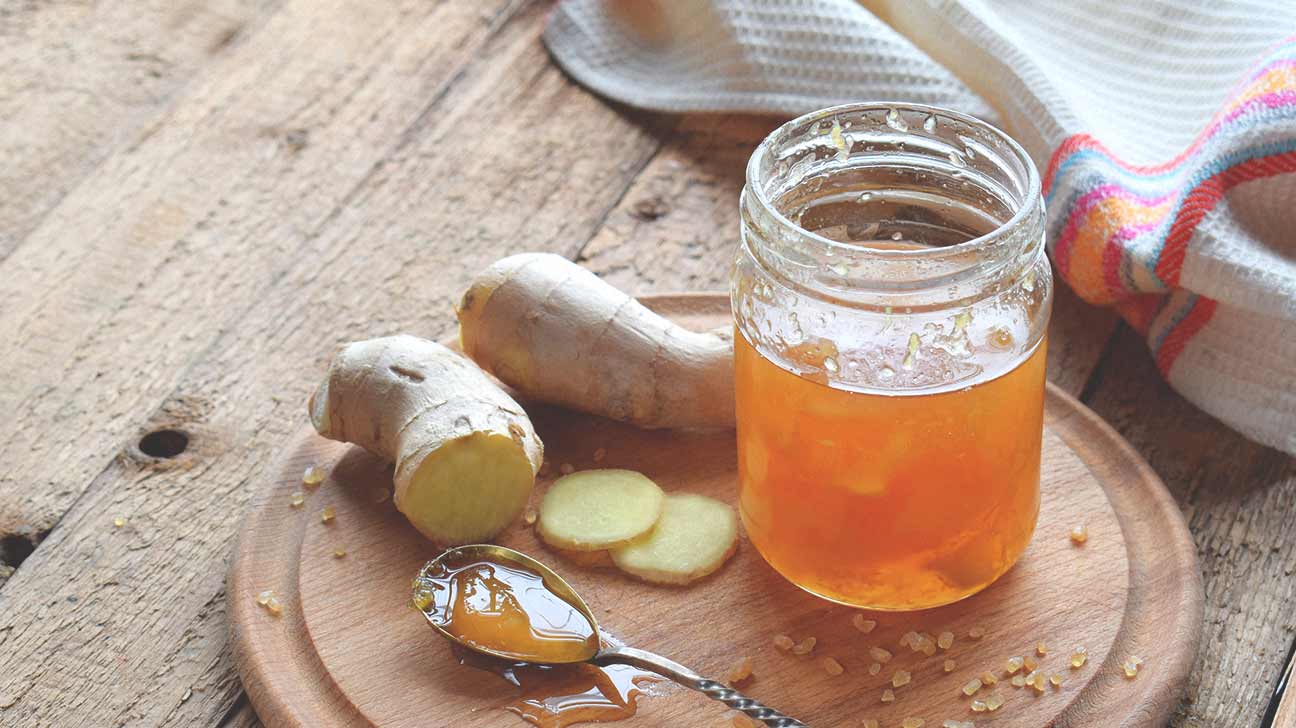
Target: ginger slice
column 694, row 537
column 595, row 510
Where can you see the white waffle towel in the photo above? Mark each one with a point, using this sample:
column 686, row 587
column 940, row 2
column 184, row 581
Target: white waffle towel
column 1165, row 130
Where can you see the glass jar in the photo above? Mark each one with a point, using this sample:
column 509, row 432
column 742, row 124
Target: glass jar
column 891, row 297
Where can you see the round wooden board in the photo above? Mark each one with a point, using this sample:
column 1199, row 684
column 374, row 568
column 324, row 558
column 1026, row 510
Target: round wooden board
column 349, row 651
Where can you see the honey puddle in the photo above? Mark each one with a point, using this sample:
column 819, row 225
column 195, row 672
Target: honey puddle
column 510, row 610
column 563, row 695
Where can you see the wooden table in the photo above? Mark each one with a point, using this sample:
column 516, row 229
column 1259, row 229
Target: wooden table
column 200, row 200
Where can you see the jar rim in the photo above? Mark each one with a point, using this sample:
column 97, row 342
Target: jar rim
column 1027, row 208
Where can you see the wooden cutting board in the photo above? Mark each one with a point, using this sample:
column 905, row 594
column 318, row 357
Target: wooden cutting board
column 349, row 651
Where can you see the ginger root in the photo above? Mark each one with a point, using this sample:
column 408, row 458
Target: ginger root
column 466, row 454
column 557, row 333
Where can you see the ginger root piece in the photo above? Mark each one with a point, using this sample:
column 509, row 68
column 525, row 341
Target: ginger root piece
column 694, row 537
column 594, row 510
column 466, row 455
column 557, row 333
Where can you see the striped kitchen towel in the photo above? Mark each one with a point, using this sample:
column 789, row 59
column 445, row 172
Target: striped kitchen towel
column 1165, row 130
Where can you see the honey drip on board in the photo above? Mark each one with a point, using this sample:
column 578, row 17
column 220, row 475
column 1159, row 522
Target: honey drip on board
column 510, row 610
column 562, row 695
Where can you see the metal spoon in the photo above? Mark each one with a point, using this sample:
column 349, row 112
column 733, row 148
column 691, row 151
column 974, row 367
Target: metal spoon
column 610, row 654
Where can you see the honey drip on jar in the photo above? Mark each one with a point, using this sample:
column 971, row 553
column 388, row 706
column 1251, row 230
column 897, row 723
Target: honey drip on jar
column 509, row 610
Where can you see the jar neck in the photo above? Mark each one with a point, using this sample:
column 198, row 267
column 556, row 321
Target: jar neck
column 892, row 205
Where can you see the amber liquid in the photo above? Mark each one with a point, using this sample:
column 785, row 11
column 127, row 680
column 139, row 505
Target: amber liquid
column 510, row 610
column 888, row 501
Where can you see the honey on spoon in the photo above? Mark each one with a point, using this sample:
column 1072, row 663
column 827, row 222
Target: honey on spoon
column 503, row 604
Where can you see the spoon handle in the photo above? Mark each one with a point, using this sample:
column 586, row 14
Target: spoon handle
column 690, row 679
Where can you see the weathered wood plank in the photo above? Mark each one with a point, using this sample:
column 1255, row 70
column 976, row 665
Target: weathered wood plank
column 677, row 229
column 1238, row 498
column 81, row 79
column 496, row 161
column 139, row 269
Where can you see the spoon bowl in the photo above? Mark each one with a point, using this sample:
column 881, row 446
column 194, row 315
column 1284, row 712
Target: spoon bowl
column 491, row 553
column 495, row 597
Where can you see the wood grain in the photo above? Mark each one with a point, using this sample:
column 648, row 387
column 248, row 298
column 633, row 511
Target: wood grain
column 81, row 80
column 357, row 231
column 1134, row 582
column 117, row 320
column 1238, row 498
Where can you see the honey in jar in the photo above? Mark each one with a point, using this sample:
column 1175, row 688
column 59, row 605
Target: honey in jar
column 891, row 299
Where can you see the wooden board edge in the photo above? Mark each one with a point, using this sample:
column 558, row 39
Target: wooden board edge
column 1178, row 575
column 283, row 643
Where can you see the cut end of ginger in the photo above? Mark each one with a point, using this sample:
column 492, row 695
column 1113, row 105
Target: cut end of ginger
column 693, row 538
column 595, row 510
column 468, row 489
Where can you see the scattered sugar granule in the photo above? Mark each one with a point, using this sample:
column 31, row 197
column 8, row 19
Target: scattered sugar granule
column 972, row 686
column 328, row 514
column 945, row 640
column 888, row 696
column 783, row 642
column 988, row 678
column 901, row 678
column 1030, row 663
column 264, row 597
column 994, row 702
column 1019, row 681
column 910, row 640
column 1079, row 534
column 1013, row 665
column 1037, row 680
column 913, row 723
column 599, row 454
column 879, row 654
column 928, row 646
column 1131, row 666
column 313, row 476
column 566, row 468
column 832, row 667
column 875, row 668
column 979, row 706
column 273, row 606
column 1041, row 649
column 1079, row 656
column 297, row 499
column 949, row 665
column 339, row 552
column 977, row 633
column 118, row 522
column 741, row 670
column 805, row 646
column 530, row 517
column 1056, row 679
column 862, row 624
